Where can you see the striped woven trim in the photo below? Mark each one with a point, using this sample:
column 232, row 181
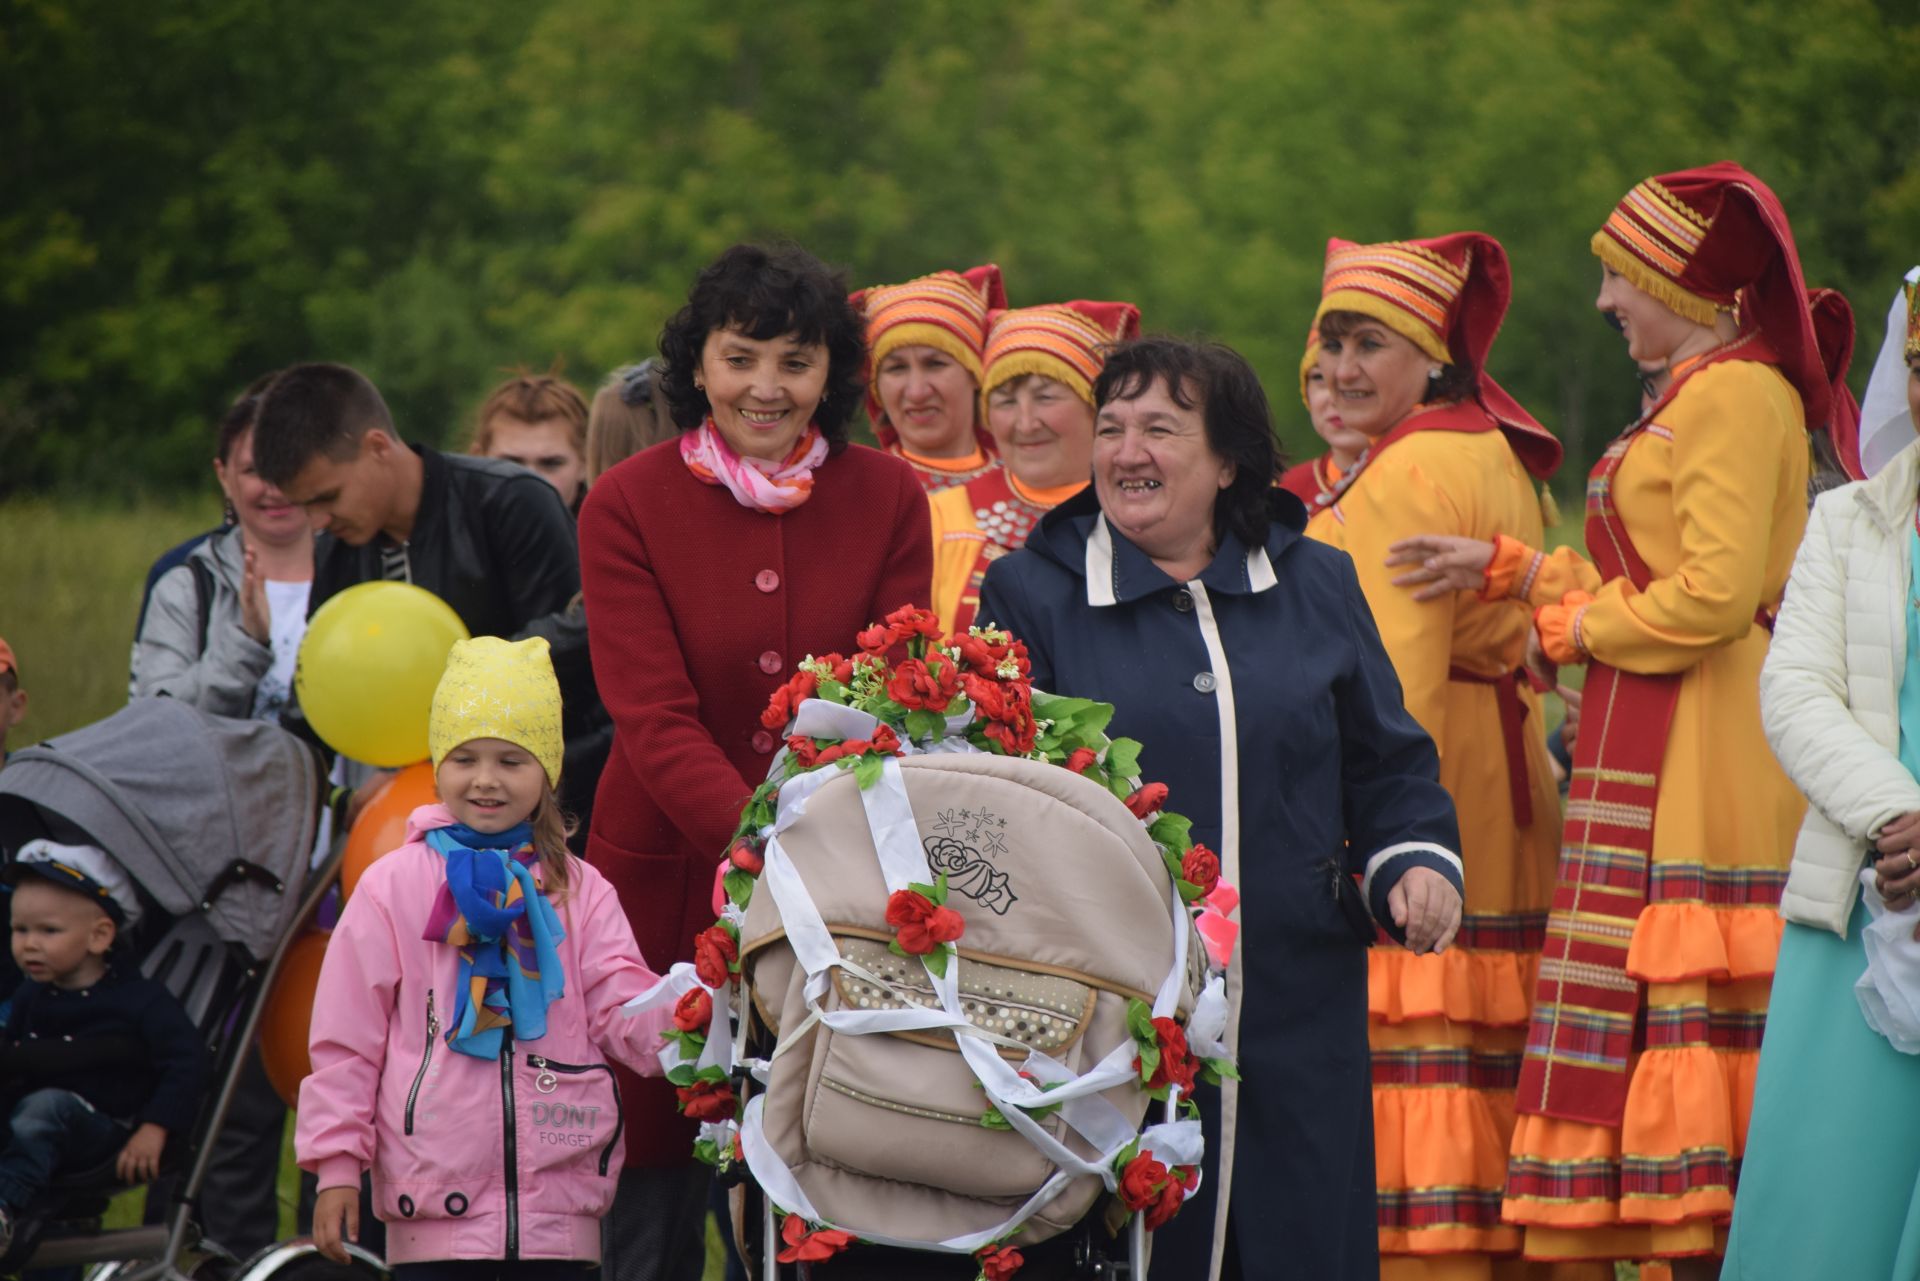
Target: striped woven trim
column 1060, row 334
column 1672, row 1026
column 1439, row 1207
column 1716, row 886
column 1416, row 286
column 944, row 298
column 1446, row 1066
column 1913, row 320
column 1502, row 932
column 1650, row 238
column 1652, row 1178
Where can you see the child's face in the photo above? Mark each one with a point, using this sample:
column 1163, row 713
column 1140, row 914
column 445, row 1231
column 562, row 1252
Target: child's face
column 59, row 938
column 490, row 784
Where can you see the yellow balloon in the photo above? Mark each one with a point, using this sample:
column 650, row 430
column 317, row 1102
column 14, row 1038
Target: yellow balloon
column 368, row 667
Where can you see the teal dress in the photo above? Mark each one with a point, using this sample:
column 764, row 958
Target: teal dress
column 1830, row 1186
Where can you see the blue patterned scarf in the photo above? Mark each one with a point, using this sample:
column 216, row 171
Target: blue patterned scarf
column 492, row 911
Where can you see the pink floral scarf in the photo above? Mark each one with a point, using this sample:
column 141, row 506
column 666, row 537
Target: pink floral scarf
column 755, row 482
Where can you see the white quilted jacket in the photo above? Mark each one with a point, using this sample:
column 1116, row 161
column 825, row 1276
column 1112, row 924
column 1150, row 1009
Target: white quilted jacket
column 1830, row 690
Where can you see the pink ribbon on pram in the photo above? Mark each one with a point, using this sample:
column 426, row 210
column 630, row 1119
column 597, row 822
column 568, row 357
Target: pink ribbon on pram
column 1217, row 928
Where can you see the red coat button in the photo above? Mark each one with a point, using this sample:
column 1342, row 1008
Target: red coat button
column 767, row 581
column 770, row 663
column 762, row 742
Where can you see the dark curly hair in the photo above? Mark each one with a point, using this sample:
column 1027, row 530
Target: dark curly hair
column 1218, row 381
column 767, row 292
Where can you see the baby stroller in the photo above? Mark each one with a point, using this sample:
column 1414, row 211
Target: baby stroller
column 900, row 1105
column 214, row 820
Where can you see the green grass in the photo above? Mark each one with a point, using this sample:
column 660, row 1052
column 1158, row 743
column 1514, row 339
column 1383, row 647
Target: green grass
column 70, row 582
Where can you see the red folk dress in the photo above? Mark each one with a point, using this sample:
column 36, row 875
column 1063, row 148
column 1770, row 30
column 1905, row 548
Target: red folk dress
column 697, row 609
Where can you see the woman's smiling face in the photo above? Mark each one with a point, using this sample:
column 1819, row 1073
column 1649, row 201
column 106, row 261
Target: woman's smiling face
column 1377, row 376
column 762, row 392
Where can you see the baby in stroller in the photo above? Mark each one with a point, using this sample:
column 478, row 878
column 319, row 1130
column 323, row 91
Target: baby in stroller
column 97, row 1059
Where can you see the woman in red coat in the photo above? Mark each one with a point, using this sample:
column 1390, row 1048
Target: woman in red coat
column 712, row 564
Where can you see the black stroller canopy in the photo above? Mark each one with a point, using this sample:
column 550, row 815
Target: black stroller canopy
column 206, row 814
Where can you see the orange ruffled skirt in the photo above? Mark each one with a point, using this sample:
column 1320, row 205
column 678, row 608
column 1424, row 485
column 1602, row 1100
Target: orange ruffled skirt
column 1661, row 1185
column 1447, row 1033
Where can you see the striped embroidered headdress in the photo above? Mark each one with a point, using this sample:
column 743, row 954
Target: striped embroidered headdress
column 947, row 310
column 1447, row 295
column 1064, row 341
column 1714, row 241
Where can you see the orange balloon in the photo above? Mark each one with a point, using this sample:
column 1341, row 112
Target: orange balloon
column 381, row 826
column 288, row 1011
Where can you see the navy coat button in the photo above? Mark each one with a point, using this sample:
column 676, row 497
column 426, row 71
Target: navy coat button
column 1183, row 601
column 1205, row 682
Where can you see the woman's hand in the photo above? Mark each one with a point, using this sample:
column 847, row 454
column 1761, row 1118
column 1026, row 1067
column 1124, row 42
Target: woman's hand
column 1896, row 873
column 1447, row 563
column 1427, row 907
column 256, row 619
column 336, row 1220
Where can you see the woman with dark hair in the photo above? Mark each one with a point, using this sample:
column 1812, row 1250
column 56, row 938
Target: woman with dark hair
column 713, row 563
column 1654, row 981
column 1404, row 331
column 1179, row 588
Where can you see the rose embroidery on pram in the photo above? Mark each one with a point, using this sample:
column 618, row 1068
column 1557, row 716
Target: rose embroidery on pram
column 956, row 853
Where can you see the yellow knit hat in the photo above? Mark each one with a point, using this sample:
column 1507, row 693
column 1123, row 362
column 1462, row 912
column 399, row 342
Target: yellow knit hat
column 494, row 688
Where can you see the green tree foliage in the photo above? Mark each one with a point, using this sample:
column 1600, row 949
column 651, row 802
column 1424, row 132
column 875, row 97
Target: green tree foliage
column 437, row 191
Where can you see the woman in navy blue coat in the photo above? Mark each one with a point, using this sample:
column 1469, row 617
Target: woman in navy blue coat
column 1178, row 587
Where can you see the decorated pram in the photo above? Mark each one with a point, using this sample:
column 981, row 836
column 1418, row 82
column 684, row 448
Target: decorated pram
column 956, row 970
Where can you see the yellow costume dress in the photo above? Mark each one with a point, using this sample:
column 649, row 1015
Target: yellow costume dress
column 1447, row 1030
column 1712, row 492
column 976, row 524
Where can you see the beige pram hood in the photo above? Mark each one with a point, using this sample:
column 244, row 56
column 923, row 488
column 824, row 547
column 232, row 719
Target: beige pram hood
column 874, row 1073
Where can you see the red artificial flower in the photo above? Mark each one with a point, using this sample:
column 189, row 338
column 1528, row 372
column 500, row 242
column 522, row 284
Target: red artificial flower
column 1141, row 1182
column 787, row 699
column 883, row 743
column 714, row 952
column 910, row 621
column 839, row 669
column 983, row 657
column 1016, row 733
column 1080, row 758
column 804, row 1246
column 1179, row 1182
column 988, row 696
column 745, row 857
column 999, row 1262
column 877, row 639
column 918, row 687
column 739, row 1153
column 1177, row 1065
column 1148, row 800
column 1007, row 711
column 1201, row 867
column 707, row 1100
column 922, row 924
column 803, row 750
column 693, row 1011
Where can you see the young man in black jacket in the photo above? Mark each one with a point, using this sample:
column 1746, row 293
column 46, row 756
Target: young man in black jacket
column 491, row 539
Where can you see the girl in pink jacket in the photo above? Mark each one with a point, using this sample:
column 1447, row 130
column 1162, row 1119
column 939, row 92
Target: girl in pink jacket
column 470, row 997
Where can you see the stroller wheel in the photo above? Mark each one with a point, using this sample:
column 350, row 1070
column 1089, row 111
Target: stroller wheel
column 301, row 1260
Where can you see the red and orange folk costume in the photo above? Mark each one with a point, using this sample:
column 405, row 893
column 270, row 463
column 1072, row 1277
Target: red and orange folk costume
column 1447, row 1029
column 948, row 311
column 1660, row 949
column 992, row 514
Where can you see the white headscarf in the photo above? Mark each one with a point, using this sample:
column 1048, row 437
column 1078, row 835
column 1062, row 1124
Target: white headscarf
column 1886, row 424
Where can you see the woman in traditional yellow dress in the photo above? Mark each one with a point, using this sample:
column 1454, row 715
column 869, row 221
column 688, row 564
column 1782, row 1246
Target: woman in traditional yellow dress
column 1037, row 388
column 1404, row 330
column 1653, row 985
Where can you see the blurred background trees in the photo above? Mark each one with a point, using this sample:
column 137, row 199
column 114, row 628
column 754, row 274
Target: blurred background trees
column 435, row 191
